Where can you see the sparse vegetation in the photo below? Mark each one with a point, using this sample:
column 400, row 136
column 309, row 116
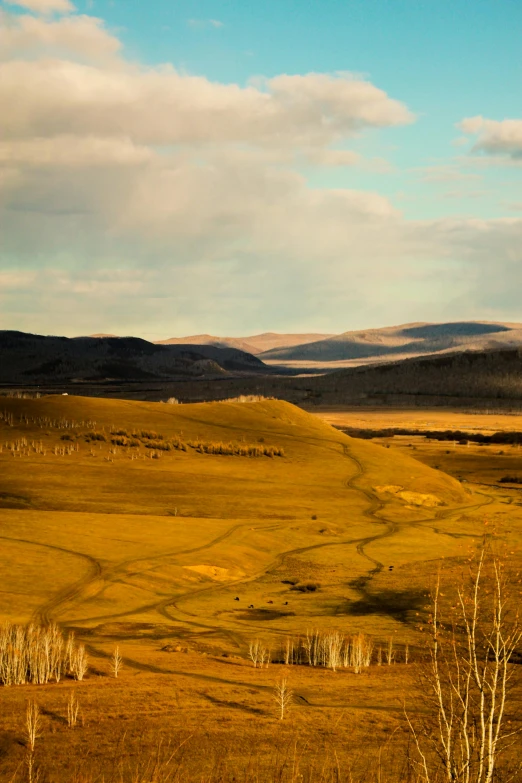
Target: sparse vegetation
column 116, row 661
column 247, row 398
column 306, row 587
column 183, row 561
column 73, row 709
column 456, row 436
column 283, row 696
column 469, row 678
column 36, row 654
column 258, row 654
column 331, row 650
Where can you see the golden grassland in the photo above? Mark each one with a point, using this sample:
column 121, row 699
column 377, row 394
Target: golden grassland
column 200, row 553
column 485, row 421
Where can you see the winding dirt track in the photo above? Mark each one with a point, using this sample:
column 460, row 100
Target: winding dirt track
column 170, row 608
column 98, row 576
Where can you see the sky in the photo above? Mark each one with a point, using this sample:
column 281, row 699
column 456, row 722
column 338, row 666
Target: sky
column 178, row 167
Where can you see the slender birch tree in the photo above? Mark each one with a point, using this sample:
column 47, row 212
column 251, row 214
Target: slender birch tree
column 283, row 696
column 468, row 679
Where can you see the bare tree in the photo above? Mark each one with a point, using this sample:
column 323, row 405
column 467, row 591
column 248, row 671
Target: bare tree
column 283, row 696
column 35, row 654
column 33, row 724
column 116, row 661
column 73, row 708
column 80, row 663
column 468, row 679
column 390, row 652
column 258, row 654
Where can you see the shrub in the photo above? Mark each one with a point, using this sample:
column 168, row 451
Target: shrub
column 247, row 398
column 160, row 445
column 89, row 436
column 147, row 435
column 307, row 587
column 119, row 440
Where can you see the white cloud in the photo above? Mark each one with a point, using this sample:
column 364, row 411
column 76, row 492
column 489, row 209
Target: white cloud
column 495, row 137
column 44, row 6
column 16, row 280
column 200, row 23
column 162, row 106
column 76, row 36
column 342, row 100
column 124, row 182
column 73, row 151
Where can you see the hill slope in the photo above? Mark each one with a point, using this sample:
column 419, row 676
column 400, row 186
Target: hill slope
column 38, row 359
column 398, row 342
column 256, row 344
column 481, row 375
column 109, row 524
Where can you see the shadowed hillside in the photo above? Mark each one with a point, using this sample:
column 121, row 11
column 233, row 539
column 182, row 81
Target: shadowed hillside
column 482, row 376
column 491, row 379
column 399, row 342
column 38, row 359
column 135, row 369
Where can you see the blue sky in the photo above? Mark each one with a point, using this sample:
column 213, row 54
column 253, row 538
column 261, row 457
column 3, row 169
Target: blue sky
column 445, row 59
column 229, row 209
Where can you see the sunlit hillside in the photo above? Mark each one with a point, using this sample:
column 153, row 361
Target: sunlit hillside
column 188, row 534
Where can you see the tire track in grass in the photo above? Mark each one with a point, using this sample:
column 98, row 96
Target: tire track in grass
column 164, row 607
column 42, row 615
column 374, row 506
column 73, row 592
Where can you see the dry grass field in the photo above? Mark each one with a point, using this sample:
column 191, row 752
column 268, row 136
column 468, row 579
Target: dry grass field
column 118, row 525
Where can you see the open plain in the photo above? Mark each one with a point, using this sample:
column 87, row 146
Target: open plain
column 183, row 533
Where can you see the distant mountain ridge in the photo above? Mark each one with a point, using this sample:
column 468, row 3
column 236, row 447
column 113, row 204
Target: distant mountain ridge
column 316, row 351
column 400, row 342
column 35, row 358
column 255, row 344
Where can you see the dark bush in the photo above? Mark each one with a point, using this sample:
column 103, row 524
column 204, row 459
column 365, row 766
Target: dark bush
column 307, row 587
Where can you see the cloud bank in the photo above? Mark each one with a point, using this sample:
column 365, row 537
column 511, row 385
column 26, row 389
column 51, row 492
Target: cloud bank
column 148, row 200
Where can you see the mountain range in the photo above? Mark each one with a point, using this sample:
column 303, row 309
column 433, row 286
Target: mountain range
column 38, row 359
column 353, row 348
column 257, row 344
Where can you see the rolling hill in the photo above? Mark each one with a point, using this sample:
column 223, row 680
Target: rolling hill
column 397, row 342
column 256, row 344
column 116, row 515
column 37, row 359
column 121, row 525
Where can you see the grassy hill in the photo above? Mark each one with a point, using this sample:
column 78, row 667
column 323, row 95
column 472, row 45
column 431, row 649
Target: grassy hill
column 124, row 534
column 182, row 533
